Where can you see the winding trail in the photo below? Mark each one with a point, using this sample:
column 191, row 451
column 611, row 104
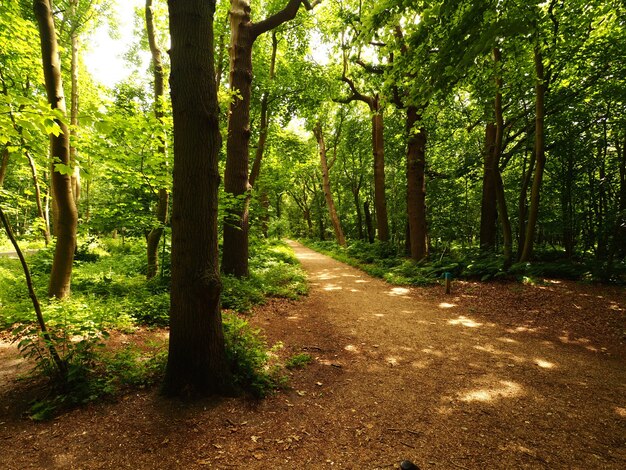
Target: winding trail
column 458, row 392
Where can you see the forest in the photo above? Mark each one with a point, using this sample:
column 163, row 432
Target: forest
column 482, row 142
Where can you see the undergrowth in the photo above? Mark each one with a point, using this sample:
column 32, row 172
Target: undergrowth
column 110, row 292
column 384, row 260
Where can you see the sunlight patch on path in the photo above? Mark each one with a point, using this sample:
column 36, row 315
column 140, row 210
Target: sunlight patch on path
column 464, row 321
column 505, row 389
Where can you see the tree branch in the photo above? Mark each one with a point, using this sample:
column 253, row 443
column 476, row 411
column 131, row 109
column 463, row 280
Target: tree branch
column 288, row 13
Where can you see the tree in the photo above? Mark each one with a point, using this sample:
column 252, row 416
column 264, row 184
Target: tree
column 196, row 363
column 326, row 166
column 154, row 236
column 244, row 33
column 67, row 219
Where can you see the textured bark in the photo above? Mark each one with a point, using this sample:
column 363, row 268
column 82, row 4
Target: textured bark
column 503, row 213
column 243, row 34
column 380, row 200
column 154, row 236
column 416, row 185
column 197, row 363
column 540, row 157
column 67, row 217
column 334, row 218
column 488, row 206
column 378, row 150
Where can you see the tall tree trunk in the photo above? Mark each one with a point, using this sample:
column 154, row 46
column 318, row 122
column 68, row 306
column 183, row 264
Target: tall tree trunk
column 416, row 184
column 488, row 207
column 503, row 213
column 540, row 156
column 67, row 216
column 40, row 207
column 368, row 222
column 154, row 236
column 359, row 213
column 74, row 106
column 236, row 184
column 334, row 218
column 380, row 200
column 265, row 117
column 197, row 363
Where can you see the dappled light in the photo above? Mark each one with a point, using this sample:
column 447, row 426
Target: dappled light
column 446, row 305
column 620, row 411
column 501, row 389
column 433, row 352
column 332, row 287
column 351, row 348
column 544, row 364
column 392, row 361
column 464, row 321
column 508, row 340
column 399, row 291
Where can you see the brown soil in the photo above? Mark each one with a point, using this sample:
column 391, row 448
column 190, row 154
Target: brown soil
column 493, row 376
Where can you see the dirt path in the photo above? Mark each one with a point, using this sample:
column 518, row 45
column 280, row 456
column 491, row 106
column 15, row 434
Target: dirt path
column 395, row 376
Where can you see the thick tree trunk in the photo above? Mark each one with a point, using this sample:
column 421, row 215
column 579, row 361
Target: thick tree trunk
column 540, row 157
column 488, row 207
column 154, row 236
column 416, row 184
column 380, row 200
column 503, row 213
column 334, row 218
column 67, row 216
column 236, row 184
column 197, row 363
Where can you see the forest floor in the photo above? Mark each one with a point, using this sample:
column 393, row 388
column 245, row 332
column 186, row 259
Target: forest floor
column 492, row 376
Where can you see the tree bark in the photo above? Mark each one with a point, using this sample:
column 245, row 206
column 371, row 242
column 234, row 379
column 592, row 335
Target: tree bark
column 503, row 213
column 380, row 200
column 334, row 218
column 197, row 363
column 416, row 184
column 4, row 165
column 378, row 149
column 236, row 184
column 67, row 216
column 154, row 236
column 488, row 207
column 540, row 156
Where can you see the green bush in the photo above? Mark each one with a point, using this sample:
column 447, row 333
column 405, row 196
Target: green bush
column 250, row 361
